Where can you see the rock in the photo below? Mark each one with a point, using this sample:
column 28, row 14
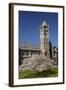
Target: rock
column 37, row 63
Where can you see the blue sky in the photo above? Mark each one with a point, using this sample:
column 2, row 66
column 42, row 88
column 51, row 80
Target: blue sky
column 29, row 27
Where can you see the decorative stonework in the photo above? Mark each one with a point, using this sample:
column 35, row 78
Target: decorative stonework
column 41, row 54
column 44, row 39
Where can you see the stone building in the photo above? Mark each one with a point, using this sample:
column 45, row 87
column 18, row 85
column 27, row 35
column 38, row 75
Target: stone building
column 44, row 39
column 27, row 51
column 55, row 54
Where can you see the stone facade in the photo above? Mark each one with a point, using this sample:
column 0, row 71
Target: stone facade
column 55, row 54
column 44, row 39
column 27, row 51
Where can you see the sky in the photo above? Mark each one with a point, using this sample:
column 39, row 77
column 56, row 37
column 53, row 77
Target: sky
column 29, row 27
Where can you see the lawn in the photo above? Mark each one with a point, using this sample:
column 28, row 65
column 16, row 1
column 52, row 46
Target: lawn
column 34, row 74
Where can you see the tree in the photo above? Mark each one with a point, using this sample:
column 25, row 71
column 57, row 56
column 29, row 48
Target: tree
column 50, row 49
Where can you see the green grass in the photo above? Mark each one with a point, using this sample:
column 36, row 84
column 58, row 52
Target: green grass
column 34, row 74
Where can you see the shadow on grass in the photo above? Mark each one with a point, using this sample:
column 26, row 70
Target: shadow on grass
column 34, row 74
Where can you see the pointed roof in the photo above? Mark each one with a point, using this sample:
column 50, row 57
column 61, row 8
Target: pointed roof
column 44, row 23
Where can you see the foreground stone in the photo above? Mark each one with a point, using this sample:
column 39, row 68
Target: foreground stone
column 37, row 63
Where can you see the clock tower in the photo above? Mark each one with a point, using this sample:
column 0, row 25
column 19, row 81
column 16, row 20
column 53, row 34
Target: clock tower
column 44, row 39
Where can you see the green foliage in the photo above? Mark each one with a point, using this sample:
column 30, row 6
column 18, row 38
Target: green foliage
column 34, row 74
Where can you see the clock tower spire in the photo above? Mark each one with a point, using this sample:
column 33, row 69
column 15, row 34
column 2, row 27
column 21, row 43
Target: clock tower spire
column 44, row 39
